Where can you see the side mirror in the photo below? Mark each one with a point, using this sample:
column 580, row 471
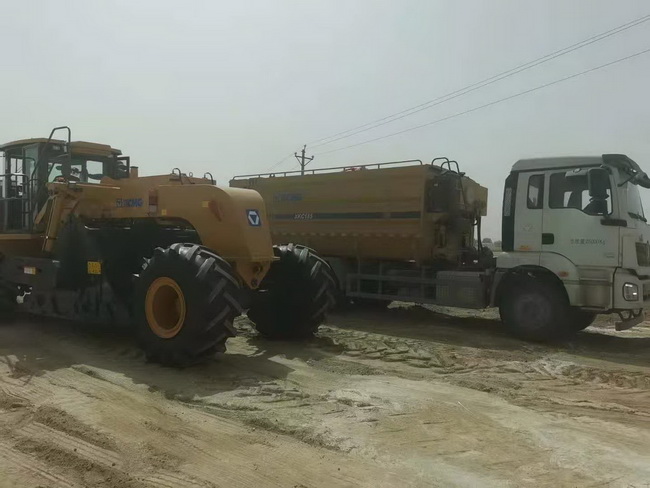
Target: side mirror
column 598, row 182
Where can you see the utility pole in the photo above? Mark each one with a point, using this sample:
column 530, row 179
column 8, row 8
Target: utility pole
column 303, row 160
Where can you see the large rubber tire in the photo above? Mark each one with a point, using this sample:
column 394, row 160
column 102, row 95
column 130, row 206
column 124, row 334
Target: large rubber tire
column 295, row 295
column 580, row 319
column 536, row 309
column 210, row 293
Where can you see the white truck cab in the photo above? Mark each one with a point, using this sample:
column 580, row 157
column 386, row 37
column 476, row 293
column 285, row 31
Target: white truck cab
column 576, row 243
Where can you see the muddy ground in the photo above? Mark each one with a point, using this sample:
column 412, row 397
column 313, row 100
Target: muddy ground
column 402, row 397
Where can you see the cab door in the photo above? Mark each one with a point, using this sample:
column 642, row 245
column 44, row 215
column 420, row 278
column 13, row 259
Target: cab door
column 525, row 214
column 571, row 228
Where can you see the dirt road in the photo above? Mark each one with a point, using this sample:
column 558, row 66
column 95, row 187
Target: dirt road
column 403, row 397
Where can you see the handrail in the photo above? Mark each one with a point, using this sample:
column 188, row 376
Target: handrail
column 33, row 196
column 449, row 163
column 49, row 140
column 440, row 158
column 180, row 175
column 446, row 162
column 20, row 180
column 323, row 170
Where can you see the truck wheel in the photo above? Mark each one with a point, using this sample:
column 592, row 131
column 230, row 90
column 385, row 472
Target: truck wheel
column 295, row 295
column 535, row 309
column 580, row 319
column 186, row 299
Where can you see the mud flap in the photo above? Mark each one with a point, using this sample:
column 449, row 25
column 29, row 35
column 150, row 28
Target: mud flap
column 633, row 318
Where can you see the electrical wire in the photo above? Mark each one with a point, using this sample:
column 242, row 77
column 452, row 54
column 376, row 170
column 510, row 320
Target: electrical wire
column 545, row 85
column 279, row 162
column 476, row 86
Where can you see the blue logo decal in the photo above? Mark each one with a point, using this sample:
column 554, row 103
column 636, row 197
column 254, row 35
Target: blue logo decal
column 287, row 197
column 128, row 202
column 253, row 216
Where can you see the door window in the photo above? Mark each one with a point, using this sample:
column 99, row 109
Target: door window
column 536, row 192
column 94, row 171
column 571, row 190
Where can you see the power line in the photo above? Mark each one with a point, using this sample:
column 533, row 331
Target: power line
column 490, row 103
column 475, row 86
column 280, row 162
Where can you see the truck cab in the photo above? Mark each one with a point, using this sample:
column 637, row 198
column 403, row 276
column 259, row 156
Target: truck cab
column 574, row 233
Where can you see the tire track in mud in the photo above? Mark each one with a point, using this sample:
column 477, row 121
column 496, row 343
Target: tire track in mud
column 26, row 440
column 141, row 431
column 15, row 464
column 48, row 439
column 568, row 381
column 547, row 379
column 397, row 422
column 554, row 375
column 372, row 394
column 38, row 432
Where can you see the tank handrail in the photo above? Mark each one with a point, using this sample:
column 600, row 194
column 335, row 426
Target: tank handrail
column 324, row 170
column 208, row 174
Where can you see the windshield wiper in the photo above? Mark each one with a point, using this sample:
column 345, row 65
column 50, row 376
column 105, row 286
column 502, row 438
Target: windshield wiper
column 638, row 217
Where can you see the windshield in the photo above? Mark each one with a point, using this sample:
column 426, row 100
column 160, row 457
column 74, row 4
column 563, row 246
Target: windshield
column 634, row 204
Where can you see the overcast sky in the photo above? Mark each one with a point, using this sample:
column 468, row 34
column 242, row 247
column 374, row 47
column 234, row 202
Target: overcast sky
column 233, row 87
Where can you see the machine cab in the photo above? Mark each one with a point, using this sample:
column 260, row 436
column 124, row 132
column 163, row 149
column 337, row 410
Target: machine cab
column 28, row 165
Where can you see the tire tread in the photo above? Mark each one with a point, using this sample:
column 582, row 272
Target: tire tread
column 296, row 295
column 213, row 313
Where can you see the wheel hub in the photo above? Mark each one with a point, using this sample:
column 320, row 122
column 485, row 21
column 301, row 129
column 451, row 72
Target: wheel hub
column 165, row 307
column 534, row 311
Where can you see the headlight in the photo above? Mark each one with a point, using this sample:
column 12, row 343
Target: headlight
column 631, row 292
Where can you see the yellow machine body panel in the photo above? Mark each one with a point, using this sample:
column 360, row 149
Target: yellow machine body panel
column 230, row 221
column 418, row 212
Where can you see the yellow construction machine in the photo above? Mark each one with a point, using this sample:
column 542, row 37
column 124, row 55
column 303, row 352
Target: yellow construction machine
column 83, row 237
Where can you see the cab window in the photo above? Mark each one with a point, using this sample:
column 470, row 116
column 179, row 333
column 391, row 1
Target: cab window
column 94, row 172
column 536, row 191
column 80, row 170
column 570, row 190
